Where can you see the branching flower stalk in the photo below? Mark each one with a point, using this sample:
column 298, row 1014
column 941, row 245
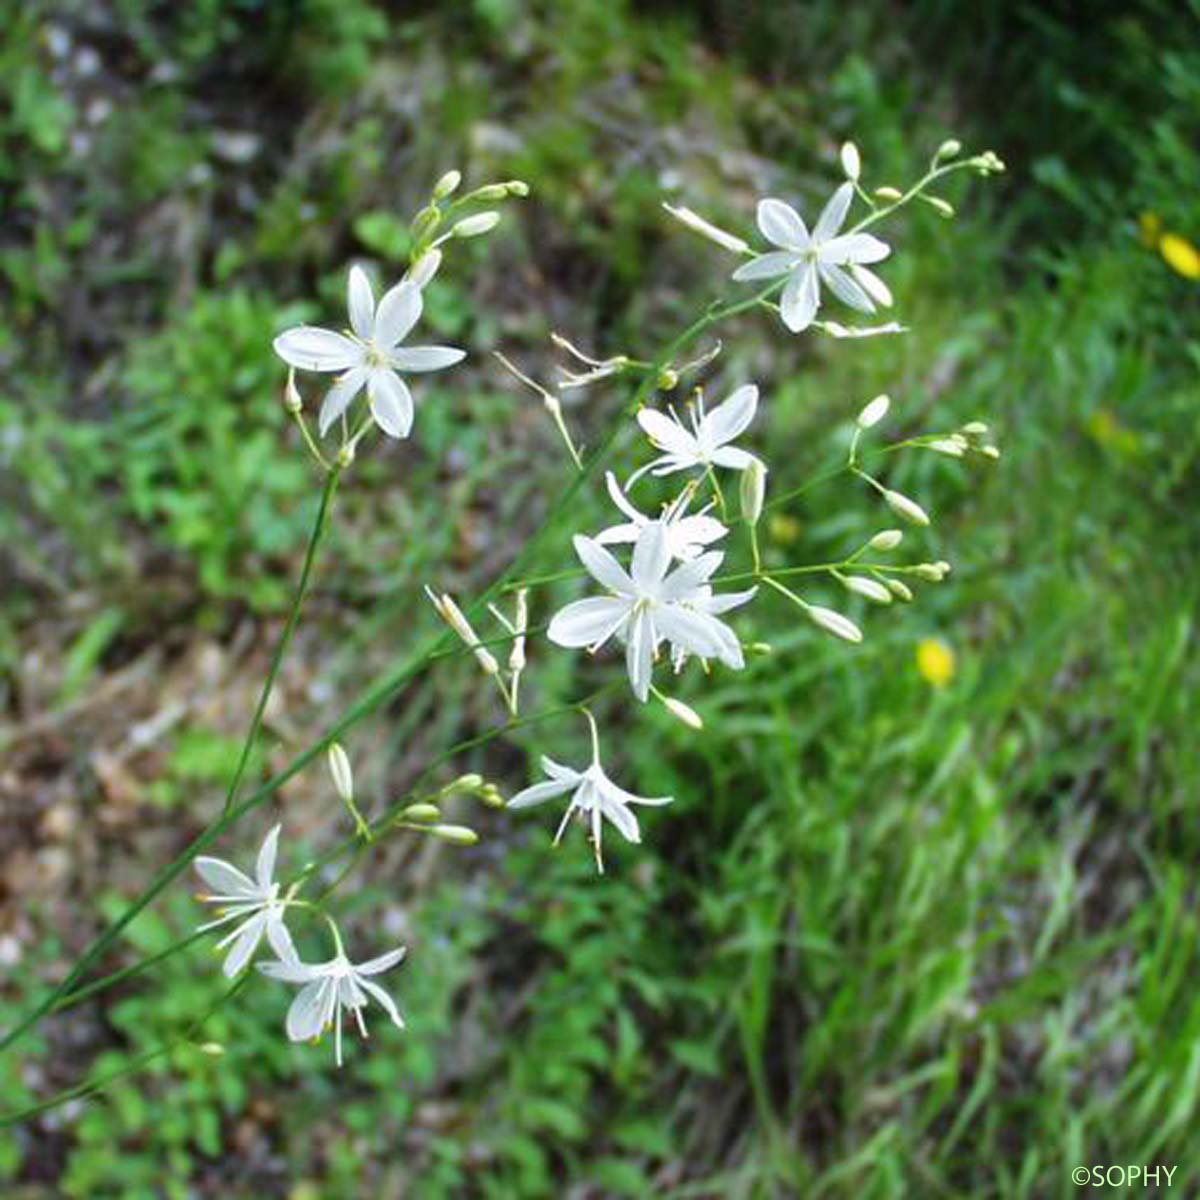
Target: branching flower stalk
column 668, row 607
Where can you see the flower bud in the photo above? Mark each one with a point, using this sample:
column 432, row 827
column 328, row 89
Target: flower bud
column 947, row 446
column 517, row 187
column 490, row 795
column 447, row 185
column 759, row 649
column 753, row 491
column 930, row 572
column 516, row 658
column 476, row 225
column 471, row 782
column 943, row 566
column 834, row 622
column 339, row 768
column 874, row 412
column 950, row 148
column 869, row 589
column 292, row 399
column 345, row 455
column 458, row 835
column 490, row 191
column 706, row 229
column 903, row 507
column 425, row 222
column 668, row 380
column 422, row 813
column 683, row 712
column 886, row 539
column 990, row 451
column 888, row 193
column 942, row 207
column 425, row 268
column 851, row 161
column 900, row 590
column 974, row 429
column 215, row 1049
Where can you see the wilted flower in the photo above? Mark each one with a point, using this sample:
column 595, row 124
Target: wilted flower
column 593, row 795
column 647, row 606
column 370, row 355
column 253, row 903
column 686, row 536
column 707, row 444
column 820, row 257
column 328, row 988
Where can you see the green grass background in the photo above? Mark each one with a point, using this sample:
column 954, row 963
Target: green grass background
column 891, row 940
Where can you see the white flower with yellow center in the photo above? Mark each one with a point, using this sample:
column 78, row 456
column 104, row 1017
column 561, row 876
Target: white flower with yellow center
column 369, row 355
column 706, row 444
column 686, row 535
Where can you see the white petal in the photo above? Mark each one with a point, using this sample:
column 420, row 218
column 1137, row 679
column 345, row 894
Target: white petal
column 798, row 304
column 855, row 247
column 833, row 214
column 601, row 565
column 289, row 971
column 619, row 498
column 361, row 302
column 384, row 962
column 686, row 579
column 384, row 1001
column 558, row 771
column 618, row 535
column 781, row 224
column 306, row 1016
column 311, row 349
column 391, row 402
column 725, row 601
column 732, row 416
column 589, row 622
column 280, row 939
column 698, row 530
column 666, row 434
column 225, row 879
column 690, row 629
column 872, row 285
column 426, row 358
column 621, row 796
column 539, row 793
column 845, row 289
column 622, row 819
column 767, row 266
column 338, row 398
column 639, row 656
column 732, row 457
column 245, row 945
column 265, row 867
column 398, row 312
column 651, row 556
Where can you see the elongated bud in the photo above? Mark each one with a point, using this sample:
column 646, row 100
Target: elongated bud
column 421, row 813
column 453, row 616
column 902, row 506
column 516, row 658
column 345, row 455
column 950, row 148
column 759, row 649
column 683, row 712
column 943, row 566
column 490, row 795
column 517, row 187
column 490, row 191
column 447, row 185
column 900, row 590
column 753, row 491
column 215, row 1049
column 851, row 162
column 870, row 589
column 480, row 223
column 974, row 428
column 834, row 622
column 339, row 768
column 888, row 193
column 292, row 399
column 471, row 782
column 458, row 835
column 706, row 229
column 425, row 221
column 425, row 268
column 886, row 539
column 943, row 208
column 990, row 451
column 874, row 412
column 930, row 572
column 948, row 446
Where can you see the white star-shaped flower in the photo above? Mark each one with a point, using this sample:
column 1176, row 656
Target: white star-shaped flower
column 254, row 903
column 686, row 536
column 820, row 257
column 706, row 444
column 593, row 796
column 645, row 606
column 369, row 355
column 329, row 987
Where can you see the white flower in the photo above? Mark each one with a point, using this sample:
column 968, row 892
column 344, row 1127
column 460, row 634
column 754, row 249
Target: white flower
column 707, row 443
column 328, row 988
column 712, row 605
column 593, row 796
column 369, row 355
column 253, row 903
column 686, row 536
column 647, row 605
column 820, row 257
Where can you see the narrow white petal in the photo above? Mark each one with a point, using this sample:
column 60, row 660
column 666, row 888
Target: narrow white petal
column 782, row 225
column 651, row 556
column 667, row 434
column 618, row 535
column 539, row 793
column 265, row 866
column 699, row 530
column 426, row 358
column 766, row 266
column 558, row 771
column 732, row 457
column 601, row 565
column 589, row 622
column 338, row 398
column 384, row 1001
column 639, row 656
column 798, row 304
column 306, row 1016
column 686, row 579
column 845, row 289
column 833, row 215
column 280, row 939
column 872, row 285
column 291, row 971
column 856, row 248
column 245, row 945
column 732, row 416
column 384, row 962
column 311, row 349
column 391, row 402
column 621, row 796
column 623, row 819
column 619, row 498
column 225, row 878
column 361, row 302
column 690, row 629
column 398, row 312
column 715, row 605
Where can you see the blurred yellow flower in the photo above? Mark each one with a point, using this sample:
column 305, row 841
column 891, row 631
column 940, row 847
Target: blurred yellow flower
column 783, row 529
column 935, row 662
column 1180, row 255
column 1150, row 229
